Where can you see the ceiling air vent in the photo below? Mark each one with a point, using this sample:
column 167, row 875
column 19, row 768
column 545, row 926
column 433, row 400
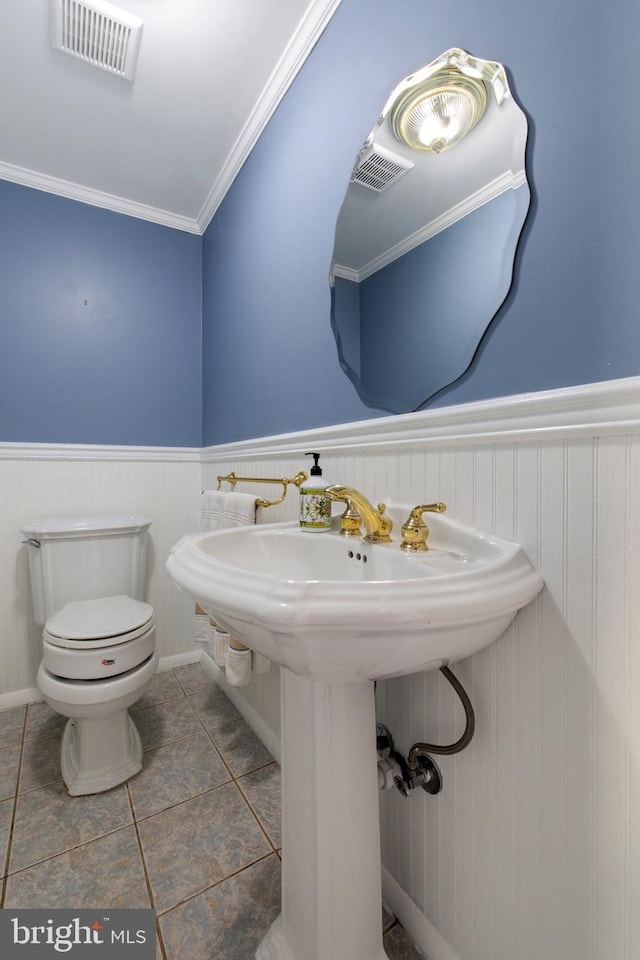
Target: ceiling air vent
column 377, row 168
column 98, row 33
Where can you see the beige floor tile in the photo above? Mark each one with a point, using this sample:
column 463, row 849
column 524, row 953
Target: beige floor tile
column 200, row 842
column 165, row 722
column 163, row 687
column 175, row 772
column 105, row 873
column 240, row 748
column 9, row 764
column 228, row 921
column 398, row 946
column 263, row 788
column 11, row 726
column 40, row 763
column 48, row 821
column 6, row 813
column 192, row 677
column 213, row 707
column 42, row 721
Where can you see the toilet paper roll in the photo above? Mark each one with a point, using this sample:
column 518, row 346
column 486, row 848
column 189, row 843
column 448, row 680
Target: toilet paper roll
column 219, row 642
column 238, row 667
column 260, row 664
column 200, row 627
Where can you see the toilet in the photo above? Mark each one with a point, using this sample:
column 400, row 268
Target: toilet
column 88, row 585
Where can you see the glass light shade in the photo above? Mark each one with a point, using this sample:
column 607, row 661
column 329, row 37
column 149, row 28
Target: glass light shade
column 437, row 114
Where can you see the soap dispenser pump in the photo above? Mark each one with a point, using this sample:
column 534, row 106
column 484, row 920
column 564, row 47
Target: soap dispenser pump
column 315, row 505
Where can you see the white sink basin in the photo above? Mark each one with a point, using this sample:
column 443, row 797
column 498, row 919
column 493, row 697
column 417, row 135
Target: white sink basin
column 337, row 607
column 339, row 613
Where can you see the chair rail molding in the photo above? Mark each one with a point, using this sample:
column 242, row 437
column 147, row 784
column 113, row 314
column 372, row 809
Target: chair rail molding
column 79, row 451
column 607, row 407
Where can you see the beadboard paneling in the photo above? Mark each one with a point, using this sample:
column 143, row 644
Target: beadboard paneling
column 38, row 482
column 533, row 847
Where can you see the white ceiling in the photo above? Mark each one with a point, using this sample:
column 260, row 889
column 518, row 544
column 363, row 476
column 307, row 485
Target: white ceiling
column 167, row 146
column 374, row 229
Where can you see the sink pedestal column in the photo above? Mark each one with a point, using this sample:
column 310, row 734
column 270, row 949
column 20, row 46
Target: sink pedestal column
column 331, row 870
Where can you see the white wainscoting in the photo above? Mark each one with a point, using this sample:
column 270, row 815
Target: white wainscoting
column 533, row 848
column 40, row 480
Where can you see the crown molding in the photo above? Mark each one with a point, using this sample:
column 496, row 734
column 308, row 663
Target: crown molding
column 300, row 46
column 309, row 30
column 96, row 198
column 595, row 409
column 506, row 181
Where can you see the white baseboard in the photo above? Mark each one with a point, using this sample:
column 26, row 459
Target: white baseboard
column 178, row 660
column 423, row 933
column 253, row 718
column 17, row 698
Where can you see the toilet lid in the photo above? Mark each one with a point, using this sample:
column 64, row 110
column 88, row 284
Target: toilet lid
column 97, row 619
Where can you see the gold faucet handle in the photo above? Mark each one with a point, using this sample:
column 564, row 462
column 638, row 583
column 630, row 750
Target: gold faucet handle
column 350, row 520
column 385, row 526
column 415, row 531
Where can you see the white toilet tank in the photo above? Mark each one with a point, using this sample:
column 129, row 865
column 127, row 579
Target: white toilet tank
column 84, row 558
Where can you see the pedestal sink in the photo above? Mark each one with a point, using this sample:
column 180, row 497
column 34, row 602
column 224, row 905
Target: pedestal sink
column 338, row 613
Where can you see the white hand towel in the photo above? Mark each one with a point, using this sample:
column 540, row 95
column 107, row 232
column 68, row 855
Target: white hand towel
column 220, row 510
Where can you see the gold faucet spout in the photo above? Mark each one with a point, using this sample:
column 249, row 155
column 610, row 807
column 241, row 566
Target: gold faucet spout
column 376, row 524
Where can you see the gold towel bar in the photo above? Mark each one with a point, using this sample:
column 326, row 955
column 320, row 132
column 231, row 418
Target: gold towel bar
column 285, row 481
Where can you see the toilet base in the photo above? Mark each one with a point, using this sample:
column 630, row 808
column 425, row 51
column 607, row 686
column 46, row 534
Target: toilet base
column 100, row 745
column 99, row 753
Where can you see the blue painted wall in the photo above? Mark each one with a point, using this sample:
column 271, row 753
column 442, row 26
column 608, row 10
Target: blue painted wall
column 572, row 314
column 115, row 330
column 100, row 325
column 421, row 318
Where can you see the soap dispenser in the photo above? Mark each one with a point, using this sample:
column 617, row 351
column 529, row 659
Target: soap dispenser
column 315, row 505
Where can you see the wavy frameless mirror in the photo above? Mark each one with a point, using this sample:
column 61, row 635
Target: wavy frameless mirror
column 427, row 233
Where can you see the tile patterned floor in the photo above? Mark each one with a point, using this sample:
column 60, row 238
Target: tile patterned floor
column 195, row 835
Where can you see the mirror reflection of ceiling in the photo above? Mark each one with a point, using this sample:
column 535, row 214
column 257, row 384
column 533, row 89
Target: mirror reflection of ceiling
column 423, row 254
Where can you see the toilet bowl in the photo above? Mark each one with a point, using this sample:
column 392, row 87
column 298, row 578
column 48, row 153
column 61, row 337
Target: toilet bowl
column 93, row 674
column 98, row 646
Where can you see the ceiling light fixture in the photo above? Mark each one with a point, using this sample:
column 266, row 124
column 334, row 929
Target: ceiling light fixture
column 439, row 112
column 435, row 108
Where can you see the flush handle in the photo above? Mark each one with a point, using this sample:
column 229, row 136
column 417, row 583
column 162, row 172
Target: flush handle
column 32, row 542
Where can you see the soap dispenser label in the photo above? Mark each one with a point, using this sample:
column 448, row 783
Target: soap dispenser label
column 315, row 509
